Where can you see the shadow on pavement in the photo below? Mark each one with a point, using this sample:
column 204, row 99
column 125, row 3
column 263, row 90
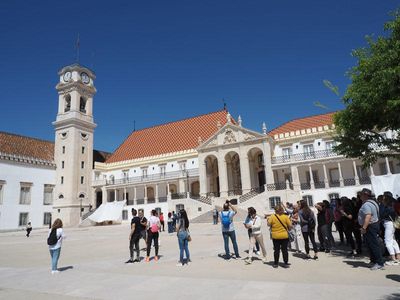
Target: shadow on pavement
column 395, row 296
column 65, row 268
column 395, row 277
column 357, row 264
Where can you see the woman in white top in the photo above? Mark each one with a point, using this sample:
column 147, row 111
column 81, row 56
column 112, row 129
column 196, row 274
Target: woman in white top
column 154, row 227
column 54, row 240
column 254, row 223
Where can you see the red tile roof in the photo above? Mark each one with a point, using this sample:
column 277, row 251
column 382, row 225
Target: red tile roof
column 170, row 137
column 26, row 146
column 304, row 123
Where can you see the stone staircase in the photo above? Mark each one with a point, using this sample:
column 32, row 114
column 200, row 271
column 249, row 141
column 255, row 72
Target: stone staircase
column 251, row 194
column 202, row 199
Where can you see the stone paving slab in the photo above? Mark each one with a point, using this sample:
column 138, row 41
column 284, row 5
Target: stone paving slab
column 93, row 261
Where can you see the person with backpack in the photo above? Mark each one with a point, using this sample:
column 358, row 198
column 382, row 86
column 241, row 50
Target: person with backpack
column 280, row 225
column 307, row 223
column 153, row 226
column 134, row 238
column 182, row 229
column 254, row 227
column 368, row 218
column 54, row 240
column 228, row 229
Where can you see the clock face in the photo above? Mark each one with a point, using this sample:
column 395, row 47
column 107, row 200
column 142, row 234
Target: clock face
column 85, row 78
column 67, row 76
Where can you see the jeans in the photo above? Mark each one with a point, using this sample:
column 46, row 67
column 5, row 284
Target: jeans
column 215, row 220
column 152, row 236
column 183, row 245
column 371, row 237
column 55, row 255
column 340, row 230
column 278, row 246
column 170, row 227
column 323, row 236
column 134, row 246
column 232, row 236
column 310, row 235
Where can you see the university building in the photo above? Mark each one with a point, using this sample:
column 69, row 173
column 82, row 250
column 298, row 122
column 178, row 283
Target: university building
column 196, row 163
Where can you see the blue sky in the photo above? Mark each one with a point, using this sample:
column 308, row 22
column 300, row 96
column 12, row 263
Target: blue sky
column 160, row 61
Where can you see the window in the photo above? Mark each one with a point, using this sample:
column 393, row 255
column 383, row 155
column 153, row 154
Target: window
column 82, row 105
column 82, row 179
column 309, row 151
column 125, row 174
column 274, row 201
column 63, row 149
column 62, row 165
column 2, row 184
column 162, row 170
column 286, row 152
column 25, row 193
column 23, row 219
column 48, row 194
column 309, row 200
column 362, row 172
column 82, row 164
column 47, row 218
column 62, row 179
column 83, row 150
column 315, row 176
column 124, row 214
column 333, row 196
column 144, row 172
column 67, row 105
column 330, row 145
column 334, row 175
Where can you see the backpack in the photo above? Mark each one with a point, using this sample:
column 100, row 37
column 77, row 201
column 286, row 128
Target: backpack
column 311, row 223
column 225, row 219
column 52, row 239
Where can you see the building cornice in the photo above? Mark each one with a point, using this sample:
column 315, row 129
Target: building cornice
column 26, row 160
column 304, row 134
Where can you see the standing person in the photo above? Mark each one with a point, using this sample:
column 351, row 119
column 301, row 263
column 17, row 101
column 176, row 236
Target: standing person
column 153, row 226
column 323, row 236
column 254, row 226
column 368, row 218
column 54, row 240
column 134, row 238
column 182, row 228
column 174, row 219
column 329, row 221
column 307, row 223
column 143, row 225
column 170, row 223
column 348, row 216
column 228, row 229
column 338, row 218
column 388, row 215
column 215, row 216
column 280, row 225
column 298, row 240
column 28, row 229
column 247, row 222
column 162, row 221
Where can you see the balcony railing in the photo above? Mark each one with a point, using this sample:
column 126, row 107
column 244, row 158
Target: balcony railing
column 365, row 180
column 151, row 177
column 178, row 196
column 139, row 201
column 212, row 194
column 349, row 181
column 277, row 186
column 305, row 186
column 303, row 156
column 334, row 183
column 151, row 200
column 162, row 199
column 319, row 184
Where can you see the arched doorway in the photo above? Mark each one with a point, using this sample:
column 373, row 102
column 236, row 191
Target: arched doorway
column 256, row 167
column 173, row 189
column 212, row 173
column 233, row 171
column 99, row 197
column 150, row 194
column 195, row 188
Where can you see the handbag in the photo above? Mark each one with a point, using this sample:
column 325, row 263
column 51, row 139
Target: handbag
column 290, row 233
column 189, row 237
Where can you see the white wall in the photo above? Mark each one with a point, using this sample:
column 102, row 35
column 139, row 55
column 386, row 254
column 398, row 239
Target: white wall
column 13, row 174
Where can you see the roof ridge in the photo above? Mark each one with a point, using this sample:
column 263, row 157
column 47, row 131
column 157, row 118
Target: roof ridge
column 301, row 118
column 25, row 136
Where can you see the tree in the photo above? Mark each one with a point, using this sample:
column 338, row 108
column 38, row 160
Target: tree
column 372, row 100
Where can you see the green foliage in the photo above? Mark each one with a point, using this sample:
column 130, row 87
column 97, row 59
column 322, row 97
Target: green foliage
column 372, row 99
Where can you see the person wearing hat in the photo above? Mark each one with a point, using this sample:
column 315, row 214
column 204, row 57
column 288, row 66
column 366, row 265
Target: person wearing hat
column 368, row 218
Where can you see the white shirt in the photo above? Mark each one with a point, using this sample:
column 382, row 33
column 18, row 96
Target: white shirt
column 60, row 236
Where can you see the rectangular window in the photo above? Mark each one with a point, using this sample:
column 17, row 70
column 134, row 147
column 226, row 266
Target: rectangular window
column 47, row 218
column 314, row 174
column 82, row 164
column 382, row 168
column 62, row 179
column 23, row 219
column 144, row 172
column 309, row 200
column 286, row 152
column 334, row 175
column 362, row 172
column 2, row 184
column 330, row 145
column 333, row 196
column 62, row 165
column 48, row 194
column 83, row 150
column 25, row 193
column 274, row 201
column 309, row 151
column 124, row 214
column 82, row 179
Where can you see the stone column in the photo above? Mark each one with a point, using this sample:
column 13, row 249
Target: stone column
column 245, row 173
column 134, row 195
column 388, row 171
column 156, row 193
column 203, row 178
column 326, row 180
column 295, row 177
column 168, row 192
column 341, row 181
column 145, row 194
column 371, row 168
column 105, row 194
column 115, row 195
column 125, row 194
column 223, row 177
column 181, row 186
column 269, row 176
column 311, row 177
column 356, row 178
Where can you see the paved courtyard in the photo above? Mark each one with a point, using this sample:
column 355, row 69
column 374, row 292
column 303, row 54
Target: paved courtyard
column 93, row 266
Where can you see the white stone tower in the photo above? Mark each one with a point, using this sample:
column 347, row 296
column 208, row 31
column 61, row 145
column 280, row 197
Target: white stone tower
column 73, row 151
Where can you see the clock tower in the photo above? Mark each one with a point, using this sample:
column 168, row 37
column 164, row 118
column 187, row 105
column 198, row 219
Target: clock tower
column 73, row 153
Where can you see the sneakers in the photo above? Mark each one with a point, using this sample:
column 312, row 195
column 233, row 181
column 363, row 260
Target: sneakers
column 248, row 261
column 179, row 264
column 55, row 272
column 392, row 263
column 376, row 267
column 236, row 257
column 257, row 253
column 315, row 257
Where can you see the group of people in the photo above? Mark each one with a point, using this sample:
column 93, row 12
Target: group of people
column 362, row 218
